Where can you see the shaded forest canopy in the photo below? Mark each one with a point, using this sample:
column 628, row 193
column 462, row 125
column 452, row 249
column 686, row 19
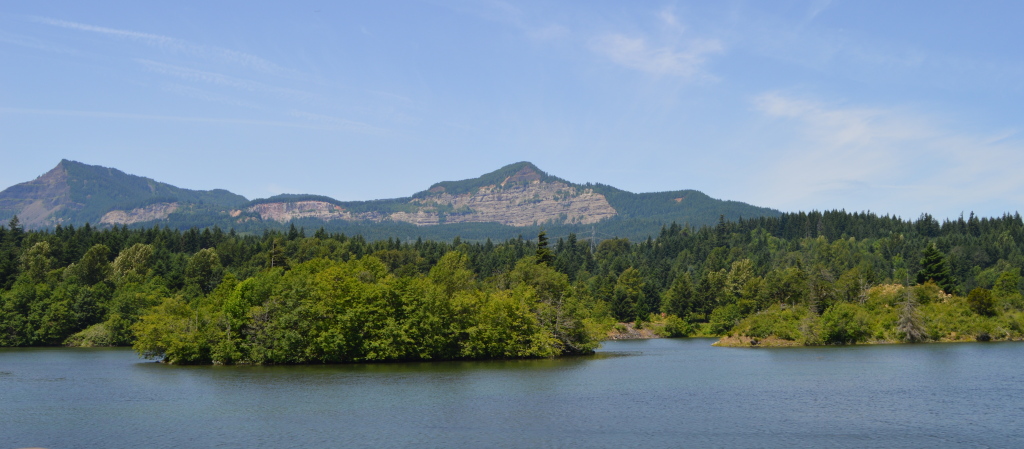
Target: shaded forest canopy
column 301, row 296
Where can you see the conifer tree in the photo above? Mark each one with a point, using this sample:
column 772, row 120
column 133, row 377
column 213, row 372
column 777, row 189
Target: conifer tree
column 909, row 321
column 934, row 268
column 544, row 254
column 678, row 300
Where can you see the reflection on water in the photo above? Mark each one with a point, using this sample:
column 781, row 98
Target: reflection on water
column 653, row 393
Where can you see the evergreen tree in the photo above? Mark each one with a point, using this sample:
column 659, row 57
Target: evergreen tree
column 628, row 295
column 678, row 300
column 544, row 254
column 934, row 268
column 981, row 302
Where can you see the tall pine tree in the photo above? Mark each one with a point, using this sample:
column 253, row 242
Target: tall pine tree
column 544, row 254
column 934, row 268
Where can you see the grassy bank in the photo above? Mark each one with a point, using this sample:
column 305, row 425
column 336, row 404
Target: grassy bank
column 885, row 314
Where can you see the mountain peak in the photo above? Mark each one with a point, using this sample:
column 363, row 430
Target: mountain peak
column 74, row 192
column 512, row 174
column 513, row 196
column 527, row 173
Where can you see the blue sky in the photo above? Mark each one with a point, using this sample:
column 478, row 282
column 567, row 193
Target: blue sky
column 894, row 107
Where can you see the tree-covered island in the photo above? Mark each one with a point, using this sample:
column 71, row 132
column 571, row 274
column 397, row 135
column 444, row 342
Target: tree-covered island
column 210, row 296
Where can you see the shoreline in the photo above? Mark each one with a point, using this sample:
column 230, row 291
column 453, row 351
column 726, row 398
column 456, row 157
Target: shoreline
column 627, row 331
column 775, row 342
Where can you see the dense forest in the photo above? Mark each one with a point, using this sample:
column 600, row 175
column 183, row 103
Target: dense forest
column 294, row 296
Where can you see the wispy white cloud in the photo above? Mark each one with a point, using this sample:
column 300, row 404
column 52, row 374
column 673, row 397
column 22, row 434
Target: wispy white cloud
column 175, row 45
column 336, row 122
column 31, row 42
column 669, row 18
column 146, row 37
column 886, row 159
column 671, row 52
column 546, row 33
column 865, row 55
column 685, row 60
column 156, row 117
column 206, row 95
column 815, row 8
column 508, row 14
column 222, row 80
column 307, row 120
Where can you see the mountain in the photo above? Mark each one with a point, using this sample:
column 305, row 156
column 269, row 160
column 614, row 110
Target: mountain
column 76, row 193
column 517, row 199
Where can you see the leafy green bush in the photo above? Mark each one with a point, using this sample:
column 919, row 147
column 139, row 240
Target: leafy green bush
column 677, row 327
column 981, row 302
column 781, row 322
column 844, row 323
column 724, row 318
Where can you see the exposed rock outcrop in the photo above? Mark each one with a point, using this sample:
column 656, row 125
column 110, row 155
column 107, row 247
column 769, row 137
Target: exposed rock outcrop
column 38, row 200
column 519, row 204
column 284, row 212
column 156, row 211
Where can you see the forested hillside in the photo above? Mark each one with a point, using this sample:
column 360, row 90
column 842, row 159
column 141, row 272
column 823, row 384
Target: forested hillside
column 299, row 296
column 76, row 193
column 517, row 199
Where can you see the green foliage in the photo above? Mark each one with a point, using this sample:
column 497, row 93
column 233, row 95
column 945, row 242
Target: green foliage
column 94, row 266
column 981, row 302
column 777, row 321
column 665, row 207
column 628, row 296
column 204, row 270
column 934, row 268
column 93, row 191
column 132, row 265
column 812, row 278
column 329, row 312
column 844, row 323
column 676, row 327
column 952, row 320
column 496, row 177
column 678, row 299
column 544, row 254
column 98, row 334
column 723, row 318
column 1006, row 291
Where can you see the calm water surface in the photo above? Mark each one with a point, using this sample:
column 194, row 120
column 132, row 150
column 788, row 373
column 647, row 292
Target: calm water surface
column 652, row 394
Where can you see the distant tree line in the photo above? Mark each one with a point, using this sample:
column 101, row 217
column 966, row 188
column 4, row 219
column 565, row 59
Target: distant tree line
column 295, row 296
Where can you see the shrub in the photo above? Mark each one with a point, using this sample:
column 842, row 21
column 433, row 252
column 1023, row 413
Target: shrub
column 981, row 302
column 677, row 327
column 844, row 323
column 724, row 318
column 783, row 323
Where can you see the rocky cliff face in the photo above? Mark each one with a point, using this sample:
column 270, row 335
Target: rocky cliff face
column 519, row 205
column 518, row 194
column 156, row 211
column 284, row 212
column 35, row 202
column 522, row 203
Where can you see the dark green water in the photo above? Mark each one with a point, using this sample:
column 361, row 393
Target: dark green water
column 651, row 394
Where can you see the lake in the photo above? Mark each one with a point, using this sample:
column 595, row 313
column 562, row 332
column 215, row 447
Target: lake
column 643, row 393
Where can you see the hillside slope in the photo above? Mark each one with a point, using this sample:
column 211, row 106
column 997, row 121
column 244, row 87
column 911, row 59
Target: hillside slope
column 77, row 193
column 517, row 199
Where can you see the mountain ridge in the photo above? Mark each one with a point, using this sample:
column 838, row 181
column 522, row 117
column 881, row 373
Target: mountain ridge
column 516, row 196
column 75, row 193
